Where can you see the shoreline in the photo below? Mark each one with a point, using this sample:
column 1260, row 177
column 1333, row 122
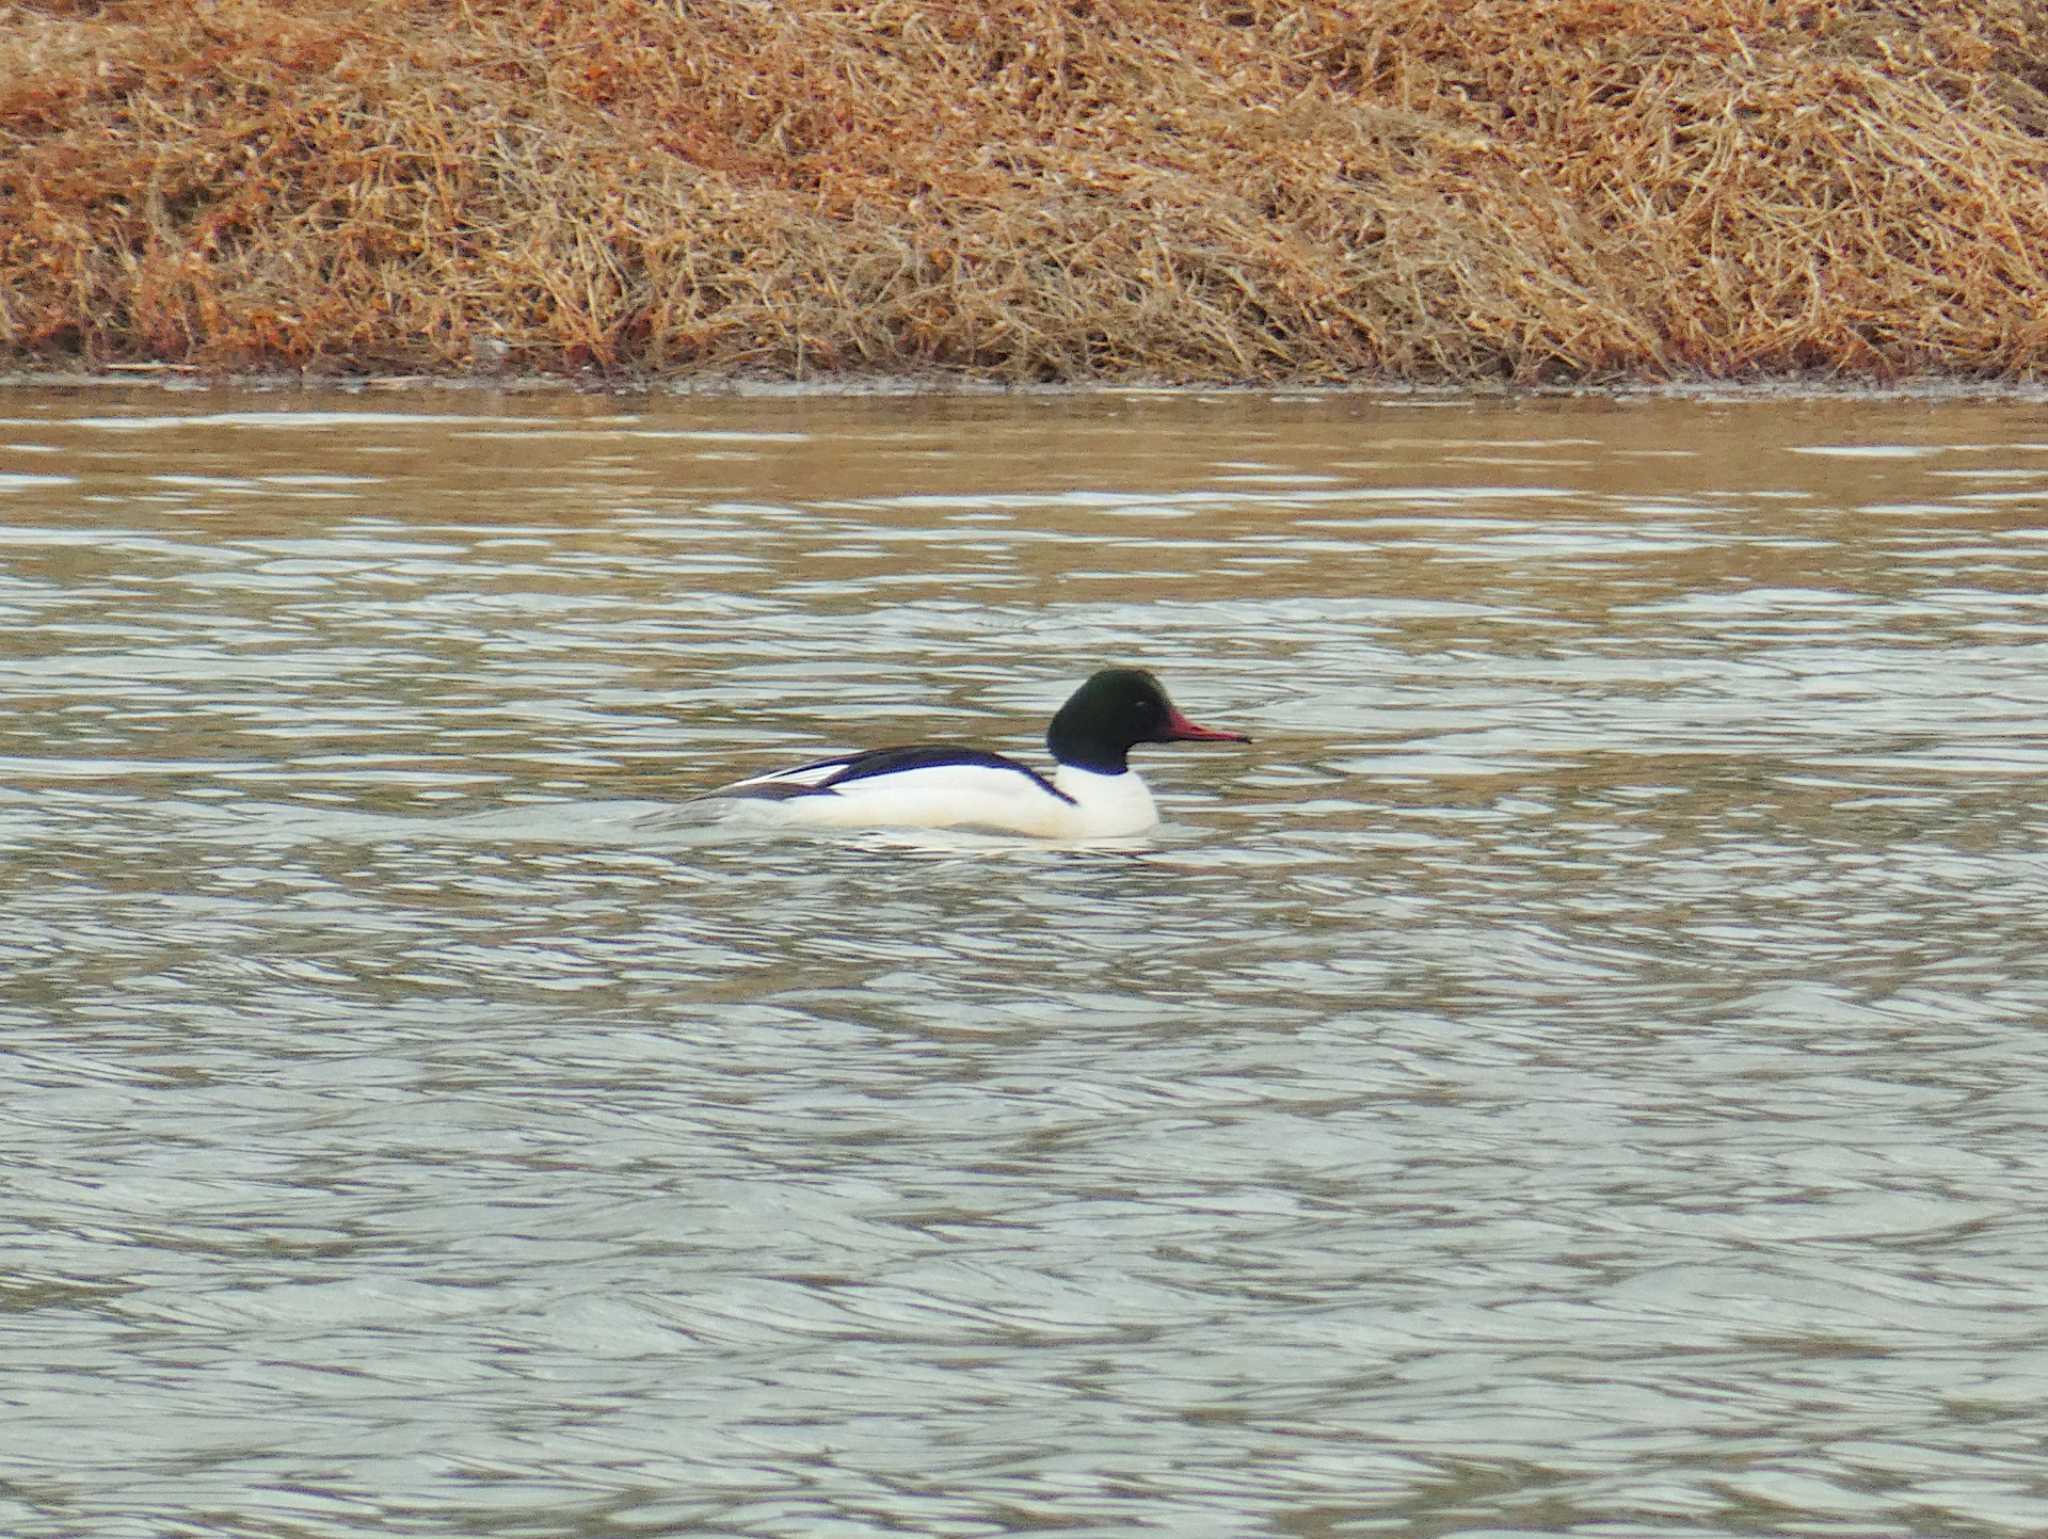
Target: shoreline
column 187, row 380
column 1558, row 193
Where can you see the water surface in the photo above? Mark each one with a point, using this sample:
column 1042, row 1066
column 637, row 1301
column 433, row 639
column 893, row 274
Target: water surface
column 1578, row 1072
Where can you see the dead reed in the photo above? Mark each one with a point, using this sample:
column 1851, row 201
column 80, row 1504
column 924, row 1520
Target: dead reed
column 1192, row 190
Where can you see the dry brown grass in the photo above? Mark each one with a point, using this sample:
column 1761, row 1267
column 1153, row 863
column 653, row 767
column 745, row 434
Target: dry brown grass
column 1238, row 190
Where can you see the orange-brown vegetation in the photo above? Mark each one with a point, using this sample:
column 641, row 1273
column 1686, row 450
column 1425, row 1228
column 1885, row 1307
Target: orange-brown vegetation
column 1194, row 190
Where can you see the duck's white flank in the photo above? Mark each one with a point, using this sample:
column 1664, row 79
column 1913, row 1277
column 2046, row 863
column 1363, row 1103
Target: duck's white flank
column 977, row 796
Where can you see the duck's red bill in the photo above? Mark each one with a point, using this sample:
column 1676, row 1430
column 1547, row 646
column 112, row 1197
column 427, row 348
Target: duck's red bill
column 1180, row 730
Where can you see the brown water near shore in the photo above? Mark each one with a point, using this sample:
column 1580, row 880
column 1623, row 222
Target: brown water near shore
column 1105, row 190
column 1576, row 1071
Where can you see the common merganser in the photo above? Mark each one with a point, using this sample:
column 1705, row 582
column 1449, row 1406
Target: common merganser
column 1093, row 792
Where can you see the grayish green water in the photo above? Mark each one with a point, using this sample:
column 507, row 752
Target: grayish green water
column 1579, row 1072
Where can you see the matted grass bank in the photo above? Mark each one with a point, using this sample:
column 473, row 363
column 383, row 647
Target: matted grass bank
column 1184, row 190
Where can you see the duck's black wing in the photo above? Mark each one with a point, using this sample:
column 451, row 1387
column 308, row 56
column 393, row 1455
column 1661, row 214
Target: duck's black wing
column 822, row 777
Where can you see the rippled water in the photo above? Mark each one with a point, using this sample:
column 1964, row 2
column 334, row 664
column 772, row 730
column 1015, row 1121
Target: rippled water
column 1579, row 1071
